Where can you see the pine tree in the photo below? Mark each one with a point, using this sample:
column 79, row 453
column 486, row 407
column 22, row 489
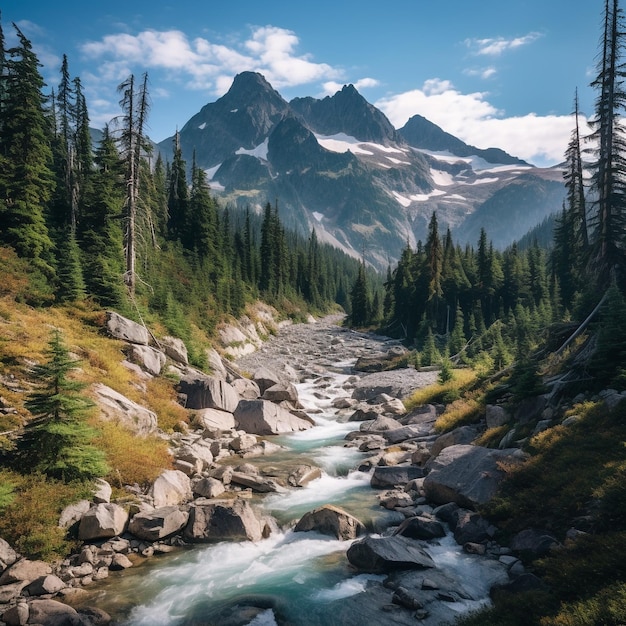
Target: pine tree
column 58, row 441
column 608, row 221
column 359, row 298
column 27, row 183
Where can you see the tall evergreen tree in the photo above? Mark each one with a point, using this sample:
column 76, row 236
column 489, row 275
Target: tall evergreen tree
column 608, row 221
column 58, row 441
column 27, row 183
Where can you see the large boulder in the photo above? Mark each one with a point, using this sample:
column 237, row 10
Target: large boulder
column 261, row 417
column 171, row 488
column 147, row 358
column 266, row 378
column 44, row 585
column 246, row 388
column 460, row 435
column 282, row 392
column 331, row 520
column 8, row 555
column 120, row 327
column 102, row 522
column 380, row 555
column 386, row 477
column 25, row 570
column 72, row 513
column 208, row 392
column 421, row 527
column 214, row 420
column 158, row 524
column 114, row 407
column 467, row 475
column 175, row 348
column 223, row 521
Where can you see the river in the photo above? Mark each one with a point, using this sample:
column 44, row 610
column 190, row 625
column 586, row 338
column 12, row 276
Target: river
column 290, row 578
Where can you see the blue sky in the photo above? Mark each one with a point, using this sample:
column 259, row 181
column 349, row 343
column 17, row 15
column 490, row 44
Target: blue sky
column 492, row 73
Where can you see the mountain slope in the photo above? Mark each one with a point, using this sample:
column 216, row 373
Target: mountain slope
column 338, row 165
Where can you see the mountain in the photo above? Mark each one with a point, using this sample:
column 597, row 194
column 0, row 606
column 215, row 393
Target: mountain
column 338, row 165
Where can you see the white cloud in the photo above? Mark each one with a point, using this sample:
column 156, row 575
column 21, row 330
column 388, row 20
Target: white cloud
column 484, row 72
column 541, row 140
column 497, row 45
column 202, row 64
column 331, row 87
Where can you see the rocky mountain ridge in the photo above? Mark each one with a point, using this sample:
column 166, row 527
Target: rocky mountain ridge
column 338, row 165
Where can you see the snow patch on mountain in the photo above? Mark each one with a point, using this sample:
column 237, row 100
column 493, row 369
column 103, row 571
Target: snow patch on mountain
column 202, row 126
column 342, row 143
column 260, row 151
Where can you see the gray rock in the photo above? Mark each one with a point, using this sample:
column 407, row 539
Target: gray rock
column 115, row 407
column 386, row 554
column 265, row 378
column 172, row 487
column 379, row 425
column 533, row 542
column 216, row 366
column 43, row 585
column 120, row 562
column 120, row 327
column 261, row 417
column 331, row 520
column 246, row 388
column 175, row 348
column 214, row 421
column 149, row 359
column 411, row 431
column 209, row 488
column 102, row 522
column 421, row 527
column 460, row 435
column 158, row 524
column 303, row 475
column 102, row 492
column 208, row 392
column 222, row 521
column 467, row 475
column 254, row 482
column 496, row 416
column 8, row 555
column 25, row 570
column 282, row 392
column 386, row 477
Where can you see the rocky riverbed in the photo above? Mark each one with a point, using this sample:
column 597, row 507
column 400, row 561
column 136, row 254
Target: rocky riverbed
column 314, row 481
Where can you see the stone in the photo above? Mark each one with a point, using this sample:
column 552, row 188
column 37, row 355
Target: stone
column 364, row 414
column 114, row 407
column 94, row 616
column 246, row 388
column 215, row 363
column 386, row 477
column 406, row 598
column 331, row 520
column 496, row 416
column 467, row 475
column 469, row 527
column 149, row 359
column 17, row 615
column 533, row 542
column 303, row 475
column 222, row 521
column 266, row 378
column 197, row 453
column 282, row 392
column 120, row 327
column 460, row 435
column 102, row 492
column 207, row 392
column 380, row 555
column 8, row 555
column 172, row 487
column 208, row 488
column 404, row 433
column 380, row 425
column 421, row 527
column 261, row 417
column 254, row 482
column 102, row 522
column 25, row 570
column 43, row 585
column 158, row 524
column 243, row 442
column 214, row 421
column 175, row 348
column 120, row 562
